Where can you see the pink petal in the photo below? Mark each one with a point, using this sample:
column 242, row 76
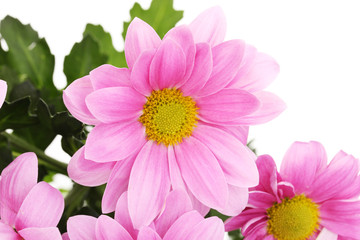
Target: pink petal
column 114, row 142
column 122, row 215
column 302, row 163
column 209, row 26
column 149, row 184
column 183, row 226
column 117, row 184
column 285, row 190
column 236, row 160
column 74, row 98
column 86, row 172
column 240, row 132
column 140, row 73
column 259, row 199
column 81, row 227
column 262, row 71
column 208, row 229
column 201, row 72
column 202, row 173
column 252, row 225
column 146, row 233
column 183, row 36
column 42, row 208
column 17, row 179
column 341, row 217
column 227, row 105
column 177, row 203
column 168, row 66
column 340, row 180
column 325, row 234
column 239, row 221
column 3, row 90
column 107, row 228
column 139, row 38
column 115, row 104
column 8, row 233
column 238, row 198
column 271, row 106
column 65, row 236
column 227, row 58
column 268, row 175
column 52, row 233
column 258, row 230
column 109, row 76
column 177, row 181
column 197, row 205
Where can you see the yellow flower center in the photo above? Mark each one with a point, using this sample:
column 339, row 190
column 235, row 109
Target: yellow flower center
column 168, row 116
column 293, row 219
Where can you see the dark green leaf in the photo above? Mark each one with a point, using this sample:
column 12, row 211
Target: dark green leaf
column 106, row 45
column 3, row 55
column 84, row 57
column 66, row 125
column 24, row 89
column 236, row 235
column 71, row 144
column 161, row 16
column 11, row 78
column 5, row 153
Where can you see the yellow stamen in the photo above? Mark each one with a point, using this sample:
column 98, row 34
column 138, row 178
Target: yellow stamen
column 293, row 219
column 168, row 116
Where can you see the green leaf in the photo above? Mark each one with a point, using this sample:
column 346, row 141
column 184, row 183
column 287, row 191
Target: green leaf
column 5, row 153
column 16, row 115
column 161, row 16
column 29, row 55
column 106, row 45
column 3, row 55
column 84, row 57
column 11, row 78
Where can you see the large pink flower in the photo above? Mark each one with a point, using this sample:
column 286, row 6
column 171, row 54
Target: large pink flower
column 176, row 118
column 28, row 210
column 308, row 199
column 177, row 222
column 3, row 89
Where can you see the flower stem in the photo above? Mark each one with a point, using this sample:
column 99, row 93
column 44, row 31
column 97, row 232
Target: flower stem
column 44, row 159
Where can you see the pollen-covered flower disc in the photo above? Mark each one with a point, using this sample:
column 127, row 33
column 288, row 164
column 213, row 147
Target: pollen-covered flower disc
column 177, row 118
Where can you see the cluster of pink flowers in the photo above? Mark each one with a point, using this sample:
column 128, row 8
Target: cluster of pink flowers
column 169, row 139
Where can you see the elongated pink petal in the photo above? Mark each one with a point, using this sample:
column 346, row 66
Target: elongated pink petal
column 235, row 159
column 271, row 106
column 3, row 90
column 117, row 184
column 74, row 98
column 168, row 66
column 258, row 230
column 139, row 38
column 285, row 190
column 146, row 233
column 197, row 205
column 17, row 179
column 107, row 228
column 115, row 104
column 114, row 142
column 240, row 220
column 202, row 173
column 183, row 36
column 208, row 229
column 209, row 26
column 227, row 58
column 325, row 234
column 341, row 217
column 302, row 163
column 268, row 175
column 8, row 233
column 259, row 199
column 183, row 226
column 177, row 203
column 238, row 198
column 86, row 172
column 240, row 132
column 109, row 76
column 201, row 72
column 140, row 73
column 42, row 207
column 52, row 233
column 340, row 180
column 65, row 236
column 81, row 227
column 122, row 215
column 149, row 184
column 227, row 105
column 177, row 181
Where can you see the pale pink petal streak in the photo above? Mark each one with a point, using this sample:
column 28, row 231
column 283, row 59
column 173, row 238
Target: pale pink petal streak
column 122, row 215
column 109, row 76
column 325, row 234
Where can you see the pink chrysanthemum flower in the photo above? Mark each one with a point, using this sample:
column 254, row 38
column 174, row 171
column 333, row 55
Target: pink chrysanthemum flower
column 176, row 118
column 308, row 199
column 177, row 222
column 3, row 89
column 28, row 210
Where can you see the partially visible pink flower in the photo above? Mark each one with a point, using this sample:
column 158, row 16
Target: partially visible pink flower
column 176, row 222
column 177, row 118
column 3, row 89
column 28, row 210
column 308, row 199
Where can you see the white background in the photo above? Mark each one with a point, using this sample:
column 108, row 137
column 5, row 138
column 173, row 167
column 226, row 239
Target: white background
column 316, row 43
